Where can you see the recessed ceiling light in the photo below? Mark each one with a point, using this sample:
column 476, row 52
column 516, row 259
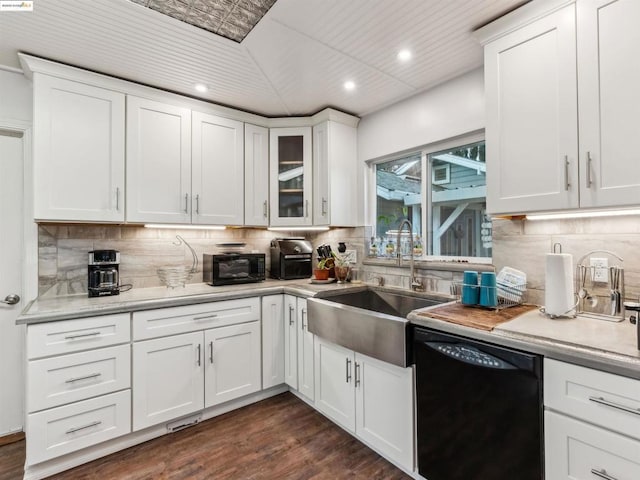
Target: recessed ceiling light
column 201, row 87
column 349, row 85
column 404, row 55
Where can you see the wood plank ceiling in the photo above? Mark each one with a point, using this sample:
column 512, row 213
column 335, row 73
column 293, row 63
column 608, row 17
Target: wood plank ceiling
column 295, row 61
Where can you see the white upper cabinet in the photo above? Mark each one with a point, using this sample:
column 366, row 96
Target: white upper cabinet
column 531, row 129
column 78, row 151
column 609, row 101
column 256, row 176
column 158, row 162
column 290, row 173
column 217, row 184
column 335, row 195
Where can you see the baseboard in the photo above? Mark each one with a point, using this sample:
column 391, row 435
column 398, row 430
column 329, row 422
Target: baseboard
column 11, row 438
column 71, row 460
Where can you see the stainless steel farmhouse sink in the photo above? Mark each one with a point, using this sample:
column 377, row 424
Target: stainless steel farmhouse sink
column 367, row 320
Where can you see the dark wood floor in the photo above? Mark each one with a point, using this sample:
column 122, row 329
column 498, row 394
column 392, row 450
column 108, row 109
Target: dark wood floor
column 278, row 438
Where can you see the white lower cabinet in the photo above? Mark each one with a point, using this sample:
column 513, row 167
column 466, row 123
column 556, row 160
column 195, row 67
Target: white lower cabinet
column 299, row 358
column 290, row 342
column 272, row 340
column 181, row 374
column 371, row 398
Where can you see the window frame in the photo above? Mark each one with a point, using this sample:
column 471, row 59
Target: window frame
column 424, row 151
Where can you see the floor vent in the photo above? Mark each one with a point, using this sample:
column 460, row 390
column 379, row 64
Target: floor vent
column 184, row 423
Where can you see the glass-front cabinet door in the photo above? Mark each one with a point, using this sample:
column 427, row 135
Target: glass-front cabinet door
column 290, row 157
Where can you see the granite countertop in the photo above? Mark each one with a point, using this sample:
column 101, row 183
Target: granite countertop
column 49, row 309
column 600, row 344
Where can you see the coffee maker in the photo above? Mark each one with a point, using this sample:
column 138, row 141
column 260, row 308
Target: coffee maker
column 104, row 277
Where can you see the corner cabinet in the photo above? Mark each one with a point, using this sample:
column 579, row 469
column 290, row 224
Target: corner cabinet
column 290, row 176
column 256, row 176
column 78, row 150
column 552, row 78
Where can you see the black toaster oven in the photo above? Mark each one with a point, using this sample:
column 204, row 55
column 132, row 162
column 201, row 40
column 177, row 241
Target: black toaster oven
column 233, row 268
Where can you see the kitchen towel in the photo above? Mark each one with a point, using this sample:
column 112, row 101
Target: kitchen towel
column 558, row 288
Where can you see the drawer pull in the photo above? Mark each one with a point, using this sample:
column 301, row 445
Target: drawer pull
column 206, row 317
column 608, row 403
column 81, row 335
column 602, row 474
column 77, row 429
column 86, row 377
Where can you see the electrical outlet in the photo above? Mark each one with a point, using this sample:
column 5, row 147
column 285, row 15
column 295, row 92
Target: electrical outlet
column 599, row 270
column 350, row 256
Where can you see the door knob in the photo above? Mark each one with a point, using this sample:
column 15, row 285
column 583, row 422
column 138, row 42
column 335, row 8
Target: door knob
column 11, row 299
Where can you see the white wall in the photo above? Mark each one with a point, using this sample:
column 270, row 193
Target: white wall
column 15, row 96
column 448, row 110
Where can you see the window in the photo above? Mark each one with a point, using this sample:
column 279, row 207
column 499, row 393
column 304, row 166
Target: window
column 448, row 214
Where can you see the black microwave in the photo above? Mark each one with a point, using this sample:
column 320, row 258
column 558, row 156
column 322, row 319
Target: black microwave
column 233, row 268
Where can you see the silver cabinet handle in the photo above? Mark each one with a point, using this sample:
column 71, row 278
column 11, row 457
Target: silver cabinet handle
column 206, row 317
column 186, row 203
column 304, row 314
column 324, row 206
column 348, row 365
column 357, row 374
column 199, row 355
column 86, row 377
column 589, row 161
column 11, row 299
column 198, row 204
column 611, row 404
column 306, row 208
column 81, row 335
column 117, row 199
column 211, row 352
column 265, row 211
column 84, row 427
column 566, row 173
column 291, row 315
column 602, row 474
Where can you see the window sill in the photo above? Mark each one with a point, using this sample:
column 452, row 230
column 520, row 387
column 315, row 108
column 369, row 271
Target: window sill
column 435, row 264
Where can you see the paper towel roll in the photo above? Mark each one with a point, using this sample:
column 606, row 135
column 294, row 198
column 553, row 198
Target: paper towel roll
column 558, row 289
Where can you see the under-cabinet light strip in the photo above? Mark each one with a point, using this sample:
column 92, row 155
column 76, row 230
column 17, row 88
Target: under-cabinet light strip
column 568, row 215
column 298, row 229
column 182, row 227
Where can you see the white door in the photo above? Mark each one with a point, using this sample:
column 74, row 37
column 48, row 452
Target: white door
column 78, row 152
column 158, row 162
column 272, row 341
column 531, row 131
column 290, row 342
column 256, row 175
column 334, row 392
column 168, row 378
column 11, row 335
column 232, row 362
column 321, row 174
column 305, row 352
column 384, row 408
column 609, row 101
column 217, row 185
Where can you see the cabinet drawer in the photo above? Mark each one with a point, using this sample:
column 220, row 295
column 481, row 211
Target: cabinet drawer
column 176, row 320
column 575, row 450
column 67, row 336
column 69, row 378
column 69, row 428
column 601, row 398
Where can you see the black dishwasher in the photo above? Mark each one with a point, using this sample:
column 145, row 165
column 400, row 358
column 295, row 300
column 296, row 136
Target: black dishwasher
column 479, row 409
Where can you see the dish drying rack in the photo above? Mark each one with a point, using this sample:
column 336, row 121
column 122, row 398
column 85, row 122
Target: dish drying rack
column 510, row 289
column 600, row 290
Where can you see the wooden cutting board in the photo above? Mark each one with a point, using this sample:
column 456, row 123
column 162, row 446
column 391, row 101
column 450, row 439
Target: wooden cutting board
column 476, row 317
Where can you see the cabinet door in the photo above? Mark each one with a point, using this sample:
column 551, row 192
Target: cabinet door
column 158, row 162
column 272, row 340
column 384, row 408
column 321, row 174
column 217, row 170
column 531, row 131
column 290, row 172
column 78, row 151
column 290, row 342
column 609, row 101
column 256, row 176
column 167, row 378
column 233, row 362
column 334, row 393
column 576, row 450
column 305, row 352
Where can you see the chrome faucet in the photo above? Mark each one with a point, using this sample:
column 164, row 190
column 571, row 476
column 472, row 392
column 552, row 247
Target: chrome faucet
column 414, row 283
